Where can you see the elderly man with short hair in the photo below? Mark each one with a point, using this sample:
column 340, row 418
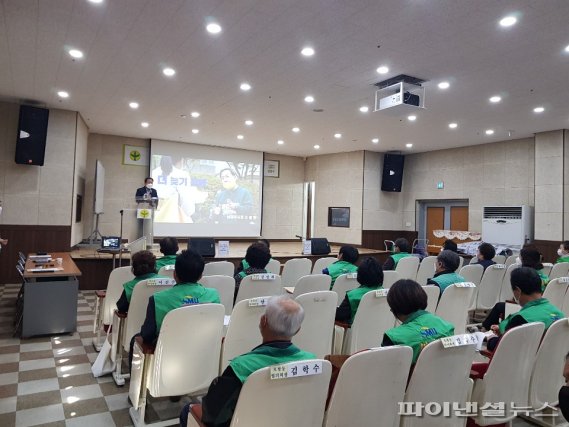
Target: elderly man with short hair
column 281, row 321
column 445, row 270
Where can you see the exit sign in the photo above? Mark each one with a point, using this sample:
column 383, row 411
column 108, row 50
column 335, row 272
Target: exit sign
column 440, row 185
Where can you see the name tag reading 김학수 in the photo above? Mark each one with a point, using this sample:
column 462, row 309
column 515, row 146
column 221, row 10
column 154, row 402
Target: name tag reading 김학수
column 296, row 369
column 459, row 340
column 161, row 282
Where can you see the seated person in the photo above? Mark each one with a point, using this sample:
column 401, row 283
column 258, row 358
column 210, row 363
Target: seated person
column 408, row 301
column 370, row 278
column 244, row 265
column 281, row 321
column 143, row 267
column 526, row 287
column 563, row 252
column 564, row 391
column 445, row 270
column 530, row 257
column 257, row 258
column 169, row 248
column 449, row 245
column 485, row 254
column 400, row 250
column 347, row 258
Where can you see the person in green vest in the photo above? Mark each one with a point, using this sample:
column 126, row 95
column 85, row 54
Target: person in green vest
column 143, row 268
column 526, row 287
column 370, row 278
column 244, row 265
column 281, row 321
column 408, row 301
column 256, row 258
column 563, row 252
column 347, row 258
column 169, row 248
column 400, row 250
column 445, row 270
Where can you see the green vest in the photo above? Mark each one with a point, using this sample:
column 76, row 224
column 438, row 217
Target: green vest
column 539, row 310
column 246, row 265
column 340, row 267
column 264, row 356
column 180, row 295
column 418, row 330
column 562, row 259
column 445, row 280
column 399, row 256
column 129, row 286
column 355, row 296
column 165, row 260
column 544, row 279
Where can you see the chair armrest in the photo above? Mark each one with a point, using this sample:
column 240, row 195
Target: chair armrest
column 342, row 324
column 121, row 315
column 101, row 293
column 146, row 348
column 196, row 412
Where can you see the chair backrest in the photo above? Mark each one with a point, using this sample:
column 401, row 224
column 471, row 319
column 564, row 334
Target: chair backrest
column 433, row 294
column 358, row 401
column 322, row 263
column 186, row 359
column 511, row 260
column 259, row 285
column 426, row 270
column 117, row 278
column 545, row 380
column 506, row 288
column 389, row 278
column 556, row 290
column 559, row 270
column 167, row 271
column 218, row 268
column 407, row 267
column 490, row 286
column 313, row 283
column 440, row 375
column 460, row 262
column 274, row 266
column 138, row 304
column 565, row 308
column 472, row 273
column 371, row 321
column 283, row 402
column 225, row 286
column 454, row 304
column 343, row 284
column 547, row 267
column 294, row 269
column 499, row 259
column 317, row 329
column 243, row 331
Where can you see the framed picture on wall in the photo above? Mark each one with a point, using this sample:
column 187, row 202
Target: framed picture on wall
column 339, row 217
column 272, row 168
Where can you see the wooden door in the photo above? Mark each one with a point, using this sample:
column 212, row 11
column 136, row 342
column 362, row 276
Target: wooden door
column 435, row 221
column 459, row 218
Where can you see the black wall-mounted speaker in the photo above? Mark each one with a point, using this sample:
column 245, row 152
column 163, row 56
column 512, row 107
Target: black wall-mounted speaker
column 32, row 134
column 392, row 172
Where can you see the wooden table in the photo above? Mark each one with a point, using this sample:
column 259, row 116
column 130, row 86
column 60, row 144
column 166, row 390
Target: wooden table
column 50, row 297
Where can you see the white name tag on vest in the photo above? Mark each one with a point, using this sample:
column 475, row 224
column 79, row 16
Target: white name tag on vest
column 465, row 285
column 169, row 267
column 160, row 282
column 258, row 302
column 263, row 276
column 351, row 275
column 380, row 293
column 459, row 340
column 296, row 369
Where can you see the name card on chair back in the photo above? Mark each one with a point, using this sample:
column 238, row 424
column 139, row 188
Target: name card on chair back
column 564, row 280
column 296, row 369
column 381, row 293
column 263, row 276
column 465, row 285
column 351, row 275
column 459, row 340
column 169, row 267
column 498, row 266
column 258, row 302
column 160, row 282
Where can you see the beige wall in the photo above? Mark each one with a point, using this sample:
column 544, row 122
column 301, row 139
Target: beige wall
column 338, row 182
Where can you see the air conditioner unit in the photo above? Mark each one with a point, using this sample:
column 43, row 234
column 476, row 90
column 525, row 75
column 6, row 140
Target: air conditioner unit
column 507, row 225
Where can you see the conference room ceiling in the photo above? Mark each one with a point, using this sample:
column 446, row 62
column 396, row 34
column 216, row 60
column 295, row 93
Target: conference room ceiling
column 127, row 43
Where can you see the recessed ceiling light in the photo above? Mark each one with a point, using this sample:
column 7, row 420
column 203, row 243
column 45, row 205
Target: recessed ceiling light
column 240, row 136
column 74, row 53
column 337, row 135
column 144, row 124
column 63, row 94
column 317, row 147
column 169, row 71
column 309, row 98
column 495, row 99
column 489, row 132
column 249, row 122
column 409, row 145
column 453, row 125
column 364, row 108
column 133, row 105
column 296, row 130
column 538, row 110
column 444, row 85
column 567, row 48
column 508, row 21
column 280, row 142
column 412, row 118
column 195, row 131
column 195, row 114
column 245, row 86
column 307, row 51
column 213, row 28
column 96, row 1
column 382, row 70
column 375, row 140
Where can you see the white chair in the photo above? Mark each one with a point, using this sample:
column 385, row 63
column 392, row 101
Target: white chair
column 294, row 269
column 322, row 263
column 343, row 284
column 185, row 359
column 167, row 271
column 433, row 294
column 274, row 266
column 407, row 267
column 559, row 270
column 258, row 285
column 502, row 381
column 490, row 286
column 472, row 273
column 426, row 270
column 511, row 260
column 506, row 288
column 389, row 278
column 218, row 268
column 225, row 286
column 547, row 267
column 499, row 259
column 454, row 303
column 460, row 262
column 473, row 260
column 565, row 308
column 556, row 290
column 317, row 331
column 312, row 283
column 350, row 404
column 285, row 402
column 106, row 302
column 441, row 375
